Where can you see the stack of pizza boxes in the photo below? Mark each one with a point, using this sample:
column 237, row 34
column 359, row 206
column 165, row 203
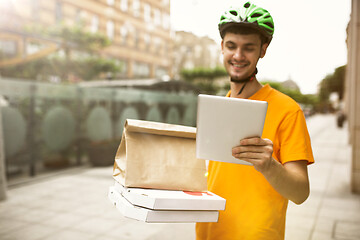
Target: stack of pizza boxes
column 158, row 177
column 162, row 206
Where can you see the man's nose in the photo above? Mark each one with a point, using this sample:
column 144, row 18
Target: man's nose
column 238, row 55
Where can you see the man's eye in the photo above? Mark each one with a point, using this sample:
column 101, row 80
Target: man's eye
column 231, row 47
column 249, row 49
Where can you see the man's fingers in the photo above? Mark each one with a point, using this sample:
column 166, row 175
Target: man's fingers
column 249, row 155
column 250, row 148
column 255, row 141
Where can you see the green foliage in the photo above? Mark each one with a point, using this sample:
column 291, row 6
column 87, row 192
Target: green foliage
column 275, row 85
column 92, row 67
column 87, row 68
column 207, row 88
column 334, row 82
column 320, row 102
column 203, row 78
column 85, row 63
column 305, row 99
column 203, row 73
column 29, row 70
column 77, row 38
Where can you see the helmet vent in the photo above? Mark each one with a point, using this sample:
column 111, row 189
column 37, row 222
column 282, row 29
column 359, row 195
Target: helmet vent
column 222, row 18
column 269, row 24
column 247, row 5
column 234, row 13
column 255, row 15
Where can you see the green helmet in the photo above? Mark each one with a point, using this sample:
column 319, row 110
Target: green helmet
column 248, row 15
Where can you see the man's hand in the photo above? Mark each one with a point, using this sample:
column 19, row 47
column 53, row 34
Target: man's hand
column 256, row 151
column 290, row 180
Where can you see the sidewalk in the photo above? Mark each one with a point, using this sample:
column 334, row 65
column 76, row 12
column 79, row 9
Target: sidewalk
column 332, row 211
column 74, row 204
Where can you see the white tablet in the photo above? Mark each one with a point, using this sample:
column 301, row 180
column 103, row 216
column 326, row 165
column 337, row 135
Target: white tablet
column 222, row 122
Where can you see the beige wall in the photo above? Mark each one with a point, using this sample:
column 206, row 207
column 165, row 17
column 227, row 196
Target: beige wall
column 352, row 94
column 2, row 164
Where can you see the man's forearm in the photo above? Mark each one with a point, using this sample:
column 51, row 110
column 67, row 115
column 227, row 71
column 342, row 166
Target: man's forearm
column 290, row 180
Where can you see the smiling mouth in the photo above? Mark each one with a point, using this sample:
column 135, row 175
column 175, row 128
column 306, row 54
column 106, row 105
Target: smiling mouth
column 237, row 65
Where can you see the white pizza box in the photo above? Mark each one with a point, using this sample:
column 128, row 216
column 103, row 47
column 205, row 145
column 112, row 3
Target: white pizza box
column 159, row 216
column 171, row 200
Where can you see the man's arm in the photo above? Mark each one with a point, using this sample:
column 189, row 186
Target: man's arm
column 290, row 180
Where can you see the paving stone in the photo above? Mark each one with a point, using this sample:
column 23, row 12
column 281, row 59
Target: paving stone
column 345, row 230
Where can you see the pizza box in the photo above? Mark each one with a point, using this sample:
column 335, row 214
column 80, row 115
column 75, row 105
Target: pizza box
column 171, row 200
column 159, row 216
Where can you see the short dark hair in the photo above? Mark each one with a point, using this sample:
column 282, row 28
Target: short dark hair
column 245, row 31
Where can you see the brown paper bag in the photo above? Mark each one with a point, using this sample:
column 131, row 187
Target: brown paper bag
column 160, row 156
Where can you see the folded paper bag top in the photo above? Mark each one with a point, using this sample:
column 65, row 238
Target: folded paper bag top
column 160, row 156
column 160, row 128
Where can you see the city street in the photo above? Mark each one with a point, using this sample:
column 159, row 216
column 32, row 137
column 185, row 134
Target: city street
column 73, row 204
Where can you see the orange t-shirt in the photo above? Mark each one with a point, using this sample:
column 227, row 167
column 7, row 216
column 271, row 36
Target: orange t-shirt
column 254, row 210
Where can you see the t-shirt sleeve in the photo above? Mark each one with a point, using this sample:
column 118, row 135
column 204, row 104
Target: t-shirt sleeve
column 294, row 139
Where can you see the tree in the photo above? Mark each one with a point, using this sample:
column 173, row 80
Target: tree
column 304, row 99
column 204, row 78
column 334, row 82
column 79, row 39
column 81, row 57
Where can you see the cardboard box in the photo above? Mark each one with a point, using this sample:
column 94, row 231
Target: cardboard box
column 171, row 200
column 159, row 216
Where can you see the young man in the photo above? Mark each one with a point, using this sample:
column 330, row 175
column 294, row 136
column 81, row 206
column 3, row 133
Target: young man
column 257, row 196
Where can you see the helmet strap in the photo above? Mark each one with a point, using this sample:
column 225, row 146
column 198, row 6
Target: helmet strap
column 245, row 80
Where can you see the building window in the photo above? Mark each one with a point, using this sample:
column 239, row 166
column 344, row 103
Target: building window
column 189, row 64
column 166, row 49
column 160, row 72
column 136, row 38
column 147, row 12
column 147, row 41
column 166, row 21
column 110, row 29
column 157, row 17
column 110, row 2
column 197, row 51
column 157, row 45
column 8, row 48
column 141, row 69
column 35, row 9
column 94, row 24
column 124, row 5
column 78, row 19
column 58, row 12
column 123, row 68
column 124, row 35
column 136, row 8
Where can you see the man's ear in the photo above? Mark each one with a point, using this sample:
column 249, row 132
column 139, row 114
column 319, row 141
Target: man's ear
column 222, row 46
column 263, row 50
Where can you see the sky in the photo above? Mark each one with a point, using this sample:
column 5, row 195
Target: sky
column 308, row 42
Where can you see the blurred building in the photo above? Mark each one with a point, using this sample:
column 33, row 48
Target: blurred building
column 352, row 90
column 138, row 29
column 290, row 84
column 191, row 51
